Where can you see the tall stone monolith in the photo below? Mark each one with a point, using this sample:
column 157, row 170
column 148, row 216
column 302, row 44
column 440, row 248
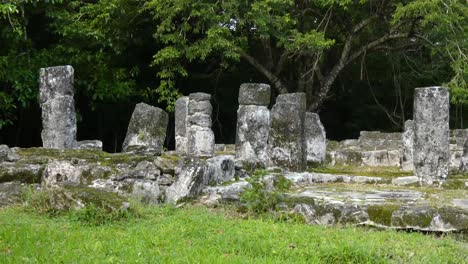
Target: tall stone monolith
column 286, row 138
column 407, row 138
column 58, row 107
column 253, row 125
column 315, row 140
column 431, row 134
column 200, row 137
column 146, row 131
column 181, row 113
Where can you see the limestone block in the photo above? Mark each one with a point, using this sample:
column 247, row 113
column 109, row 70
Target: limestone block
column 315, row 140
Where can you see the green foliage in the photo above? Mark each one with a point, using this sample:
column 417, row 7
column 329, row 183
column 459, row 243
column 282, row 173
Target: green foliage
column 96, row 216
column 261, row 199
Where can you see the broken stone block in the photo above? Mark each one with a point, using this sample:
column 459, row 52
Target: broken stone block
column 408, row 145
column 315, row 140
column 7, row 154
column 465, row 156
column 189, row 182
column 286, row 136
column 253, row 125
column 218, row 170
column 200, row 137
column 181, row 112
column 147, row 130
column 254, row 94
column 147, row 191
column 58, row 107
column 431, row 134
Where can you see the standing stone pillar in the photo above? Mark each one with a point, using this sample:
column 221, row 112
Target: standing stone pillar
column 431, row 134
column 407, row 138
column 286, row 137
column 315, row 140
column 201, row 141
column 253, row 124
column 181, row 112
column 58, row 107
column 146, row 131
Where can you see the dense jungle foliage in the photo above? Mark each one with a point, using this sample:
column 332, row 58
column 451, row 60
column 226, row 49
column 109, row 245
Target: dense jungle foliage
column 357, row 61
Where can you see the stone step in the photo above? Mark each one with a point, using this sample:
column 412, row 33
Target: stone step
column 417, row 208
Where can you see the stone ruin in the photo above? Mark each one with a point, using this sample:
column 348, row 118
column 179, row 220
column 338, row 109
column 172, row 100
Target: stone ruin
column 283, row 141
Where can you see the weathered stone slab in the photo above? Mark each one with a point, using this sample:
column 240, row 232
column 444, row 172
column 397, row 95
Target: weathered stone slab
column 58, row 107
column 286, row 137
column 253, row 125
column 254, row 94
column 147, row 130
column 408, row 145
column 431, row 134
column 315, row 140
column 7, row 154
column 385, row 158
column 181, row 112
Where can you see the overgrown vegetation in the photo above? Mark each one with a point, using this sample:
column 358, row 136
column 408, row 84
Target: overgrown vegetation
column 389, row 172
column 198, row 235
column 266, row 192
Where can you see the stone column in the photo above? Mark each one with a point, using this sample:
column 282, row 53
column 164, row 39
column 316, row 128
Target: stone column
column 201, row 141
column 181, row 112
column 286, row 137
column 146, row 132
column 431, row 134
column 407, row 138
column 465, row 156
column 253, row 125
column 58, row 107
column 315, row 140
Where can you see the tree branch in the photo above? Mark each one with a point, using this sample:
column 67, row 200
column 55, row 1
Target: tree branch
column 275, row 81
column 374, row 44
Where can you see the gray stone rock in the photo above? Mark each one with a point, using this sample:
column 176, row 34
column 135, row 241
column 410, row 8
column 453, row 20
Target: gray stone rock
column 146, row 191
column 381, row 158
column 199, row 107
column 7, row 154
column 218, row 170
column 315, row 140
column 254, row 94
column 144, row 170
column 11, row 192
column 58, row 107
column 200, row 137
column 230, row 193
column 253, row 125
column 166, row 165
column 408, row 146
column 402, row 181
column 147, row 130
column 465, row 156
column 431, row 134
column 200, row 97
column 181, row 113
column 59, row 172
column 189, row 182
column 90, row 144
column 309, row 178
column 201, row 141
column 25, row 173
column 286, row 136
column 199, row 120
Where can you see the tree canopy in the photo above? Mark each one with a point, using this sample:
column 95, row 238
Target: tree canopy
column 126, row 50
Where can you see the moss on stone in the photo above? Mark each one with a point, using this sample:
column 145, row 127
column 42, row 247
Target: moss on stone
column 21, row 174
column 389, row 172
column 382, row 214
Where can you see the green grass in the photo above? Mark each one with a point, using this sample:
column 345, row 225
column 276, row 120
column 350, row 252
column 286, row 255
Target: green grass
column 198, row 235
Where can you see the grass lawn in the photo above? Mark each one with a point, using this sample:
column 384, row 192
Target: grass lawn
column 198, row 235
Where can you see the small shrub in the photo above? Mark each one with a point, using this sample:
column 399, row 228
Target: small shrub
column 38, row 201
column 95, row 216
column 259, row 199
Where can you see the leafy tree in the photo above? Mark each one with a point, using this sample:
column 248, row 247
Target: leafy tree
column 299, row 46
